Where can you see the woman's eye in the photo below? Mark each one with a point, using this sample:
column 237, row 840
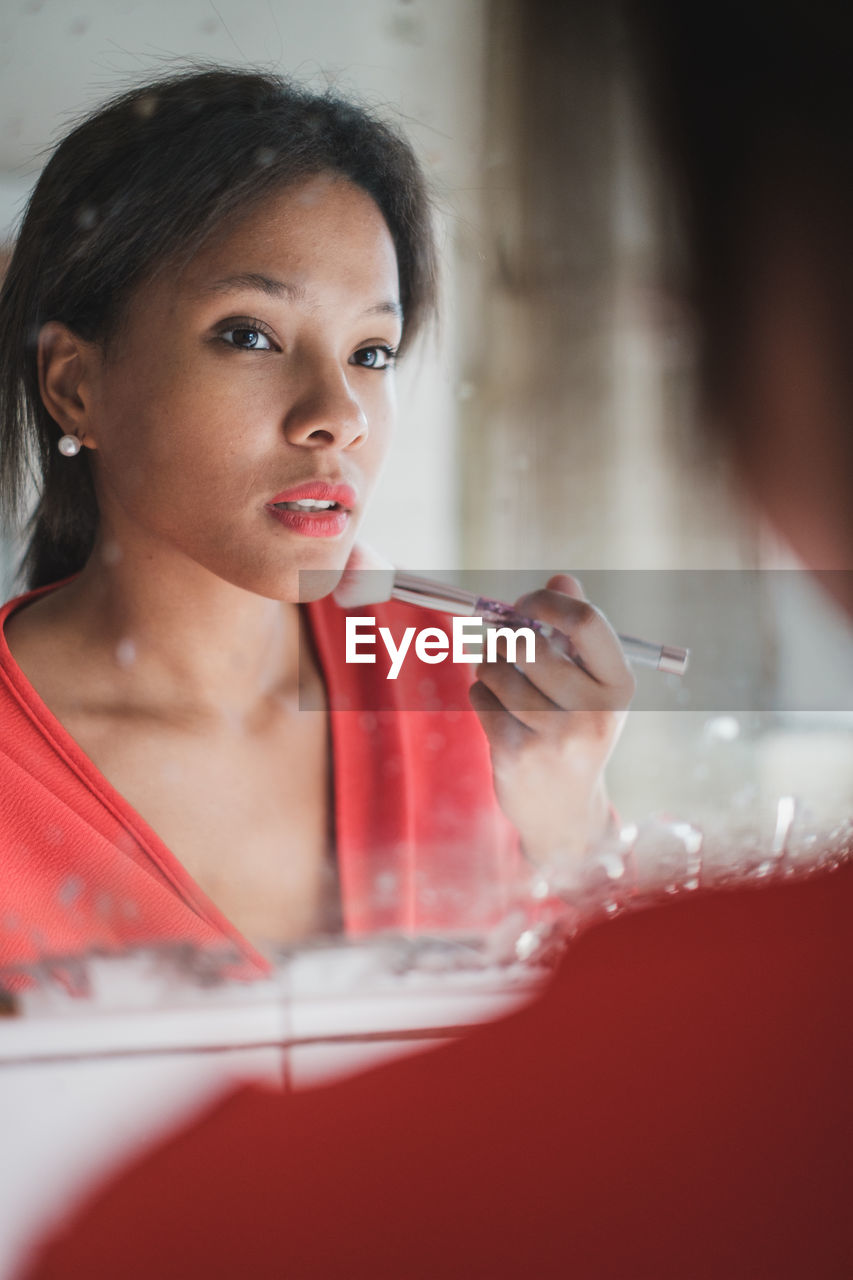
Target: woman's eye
column 374, row 357
column 246, row 338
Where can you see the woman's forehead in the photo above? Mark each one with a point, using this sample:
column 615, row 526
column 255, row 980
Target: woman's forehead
column 321, row 240
column 324, row 225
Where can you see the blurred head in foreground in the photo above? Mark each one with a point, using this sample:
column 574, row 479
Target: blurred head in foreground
column 754, row 106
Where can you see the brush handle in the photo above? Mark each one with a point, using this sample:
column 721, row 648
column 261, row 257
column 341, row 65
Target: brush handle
column 642, row 653
column 430, row 594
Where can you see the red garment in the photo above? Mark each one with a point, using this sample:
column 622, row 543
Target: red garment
column 420, row 841
column 676, row 1106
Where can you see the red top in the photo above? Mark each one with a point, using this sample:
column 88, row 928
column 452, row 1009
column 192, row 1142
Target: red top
column 677, row 1106
column 420, row 841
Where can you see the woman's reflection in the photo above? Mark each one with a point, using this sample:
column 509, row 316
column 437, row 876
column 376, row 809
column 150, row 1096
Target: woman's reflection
column 199, row 328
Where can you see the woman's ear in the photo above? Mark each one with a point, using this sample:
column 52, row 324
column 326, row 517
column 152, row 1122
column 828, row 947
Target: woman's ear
column 66, row 368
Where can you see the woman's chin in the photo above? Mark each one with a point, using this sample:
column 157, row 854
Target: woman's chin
column 314, row 584
column 293, row 579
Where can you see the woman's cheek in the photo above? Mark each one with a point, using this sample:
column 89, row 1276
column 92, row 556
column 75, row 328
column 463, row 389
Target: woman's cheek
column 382, row 424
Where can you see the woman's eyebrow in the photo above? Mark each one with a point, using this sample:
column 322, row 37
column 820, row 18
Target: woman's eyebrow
column 386, row 309
column 255, row 280
column 284, row 289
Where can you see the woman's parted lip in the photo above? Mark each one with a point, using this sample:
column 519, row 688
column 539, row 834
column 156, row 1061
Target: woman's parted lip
column 320, row 491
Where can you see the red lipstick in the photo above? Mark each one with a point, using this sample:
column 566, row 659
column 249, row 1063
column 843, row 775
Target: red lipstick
column 315, row 509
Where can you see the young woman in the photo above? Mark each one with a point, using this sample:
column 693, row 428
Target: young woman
column 198, row 330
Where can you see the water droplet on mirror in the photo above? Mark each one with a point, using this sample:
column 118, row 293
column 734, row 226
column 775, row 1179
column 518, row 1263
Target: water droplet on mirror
column 526, row 944
column 86, row 217
column 786, row 813
column 721, row 729
column 690, row 836
column 613, row 865
column 125, row 652
column 145, row 106
column 70, row 890
column 540, row 888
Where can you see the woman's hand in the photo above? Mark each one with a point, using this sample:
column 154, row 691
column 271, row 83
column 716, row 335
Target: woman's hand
column 552, row 724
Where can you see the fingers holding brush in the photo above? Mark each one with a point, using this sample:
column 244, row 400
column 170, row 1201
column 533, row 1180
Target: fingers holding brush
column 552, row 718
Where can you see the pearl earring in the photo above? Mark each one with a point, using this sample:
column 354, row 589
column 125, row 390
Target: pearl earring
column 68, row 446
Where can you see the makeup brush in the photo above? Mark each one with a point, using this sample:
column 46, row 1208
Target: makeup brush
column 382, row 582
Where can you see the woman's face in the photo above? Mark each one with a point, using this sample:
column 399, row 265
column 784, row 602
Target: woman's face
column 262, row 374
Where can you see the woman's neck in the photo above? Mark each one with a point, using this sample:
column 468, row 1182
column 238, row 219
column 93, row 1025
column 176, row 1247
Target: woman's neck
column 176, row 636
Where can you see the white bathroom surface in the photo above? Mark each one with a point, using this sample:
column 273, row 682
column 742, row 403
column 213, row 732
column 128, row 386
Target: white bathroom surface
column 87, row 1081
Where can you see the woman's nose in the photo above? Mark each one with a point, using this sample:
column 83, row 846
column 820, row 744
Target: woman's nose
column 326, row 413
